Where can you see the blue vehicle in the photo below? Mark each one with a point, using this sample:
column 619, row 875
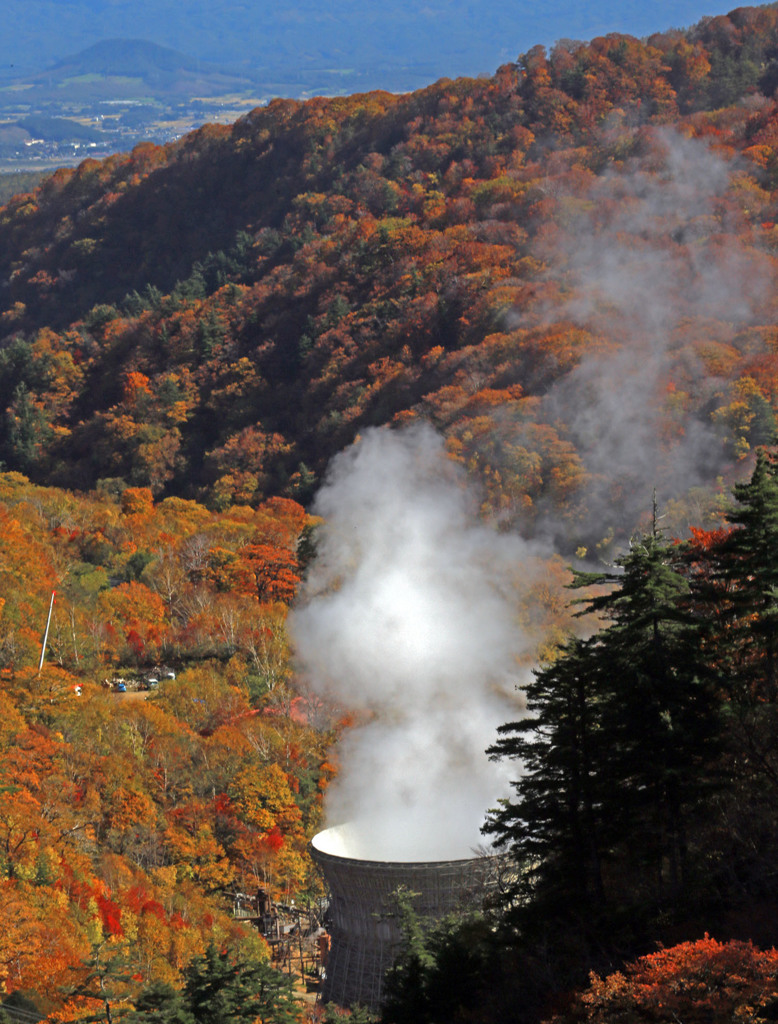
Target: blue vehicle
column 121, row 688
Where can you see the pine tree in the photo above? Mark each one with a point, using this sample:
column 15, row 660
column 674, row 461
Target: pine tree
column 440, row 971
column 660, row 712
column 747, row 578
column 616, row 761
column 105, row 984
column 160, row 1003
column 221, row 988
column 735, row 586
column 554, row 828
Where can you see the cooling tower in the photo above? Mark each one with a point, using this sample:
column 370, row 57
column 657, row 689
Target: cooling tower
column 363, row 925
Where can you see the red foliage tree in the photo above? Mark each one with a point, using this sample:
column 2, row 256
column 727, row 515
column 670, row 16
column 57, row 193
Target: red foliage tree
column 703, row 982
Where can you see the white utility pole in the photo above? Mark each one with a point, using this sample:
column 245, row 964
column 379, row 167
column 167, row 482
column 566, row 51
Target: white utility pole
column 46, row 634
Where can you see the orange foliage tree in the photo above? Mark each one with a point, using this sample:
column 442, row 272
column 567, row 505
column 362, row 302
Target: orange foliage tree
column 703, row 982
column 267, row 572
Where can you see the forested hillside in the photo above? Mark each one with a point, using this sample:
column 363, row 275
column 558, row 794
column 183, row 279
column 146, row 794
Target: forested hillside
column 124, row 820
column 568, row 269
column 214, row 319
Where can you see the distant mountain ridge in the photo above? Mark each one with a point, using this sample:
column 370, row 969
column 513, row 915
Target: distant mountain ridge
column 113, row 95
column 129, row 57
column 160, row 69
column 363, row 45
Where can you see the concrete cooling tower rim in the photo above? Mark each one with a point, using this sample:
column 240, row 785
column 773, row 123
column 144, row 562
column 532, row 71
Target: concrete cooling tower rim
column 335, row 843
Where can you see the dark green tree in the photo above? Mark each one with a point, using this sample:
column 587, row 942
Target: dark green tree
column 221, row 988
column 617, row 759
column 442, row 968
column 745, row 579
column 27, row 430
column 19, row 1007
column 554, row 827
column 160, row 1003
column 109, row 980
column 660, row 712
column 356, row 1014
column 734, row 577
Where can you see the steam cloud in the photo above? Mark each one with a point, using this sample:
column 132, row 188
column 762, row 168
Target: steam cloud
column 650, row 265
column 409, row 618
column 409, row 605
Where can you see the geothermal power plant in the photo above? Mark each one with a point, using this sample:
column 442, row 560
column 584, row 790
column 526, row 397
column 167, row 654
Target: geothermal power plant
column 408, row 620
column 364, row 929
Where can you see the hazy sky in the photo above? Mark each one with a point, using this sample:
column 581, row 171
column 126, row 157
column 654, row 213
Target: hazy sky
column 451, row 37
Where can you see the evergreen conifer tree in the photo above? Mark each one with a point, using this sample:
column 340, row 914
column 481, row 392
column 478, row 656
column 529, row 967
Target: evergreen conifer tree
column 734, row 580
column 615, row 762
column 221, row 988
column 747, row 585
column 660, row 714
column 554, row 828
column 160, row 1003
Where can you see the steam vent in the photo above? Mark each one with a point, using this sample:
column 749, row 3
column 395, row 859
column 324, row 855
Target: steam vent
column 363, row 928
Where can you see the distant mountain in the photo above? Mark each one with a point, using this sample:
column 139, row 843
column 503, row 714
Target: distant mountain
column 136, row 57
column 121, row 68
column 113, row 95
column 350, row 44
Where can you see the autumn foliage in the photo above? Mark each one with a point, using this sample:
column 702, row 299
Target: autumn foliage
column 340, row 263
column 703, row 982
column 313, row 270
column 125, row 817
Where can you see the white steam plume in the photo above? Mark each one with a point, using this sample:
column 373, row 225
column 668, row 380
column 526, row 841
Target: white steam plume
column 409, row 617
column 409, row 611
column 650, row 262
